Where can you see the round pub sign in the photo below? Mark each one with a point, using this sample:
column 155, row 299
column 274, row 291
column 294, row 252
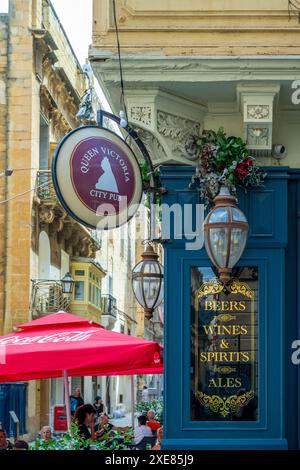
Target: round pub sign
column 97, row 177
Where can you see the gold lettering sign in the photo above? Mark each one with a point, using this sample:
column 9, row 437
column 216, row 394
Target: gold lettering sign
column 224, row 356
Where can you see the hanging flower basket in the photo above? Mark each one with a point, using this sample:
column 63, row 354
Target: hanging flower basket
column 224, row 161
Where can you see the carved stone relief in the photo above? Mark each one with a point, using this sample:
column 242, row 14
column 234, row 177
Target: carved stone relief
column 258, row 136
column 141, row 114
column 155, row 149
column 167, row 134
column 179, row 132
column 261, row 111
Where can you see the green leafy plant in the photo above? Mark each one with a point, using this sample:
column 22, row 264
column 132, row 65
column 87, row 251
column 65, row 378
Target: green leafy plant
column 114, row 440
column 111, row 440
column 67, row 441
column 143, row 407
column 224, row 160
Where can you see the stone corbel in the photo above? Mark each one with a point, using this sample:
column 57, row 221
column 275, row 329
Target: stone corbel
column 68, row 229
column 74, row 239
column 59, row 221
column 153, row 145
column 87, row 247
column 47, row 105
column 46, row 214
column 166, row 124
column 60, row 125
column 257, row 105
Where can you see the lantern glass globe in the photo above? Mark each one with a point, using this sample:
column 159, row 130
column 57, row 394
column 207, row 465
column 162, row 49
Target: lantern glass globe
column 67, row 284
column 147, row 281
column 226, row 233
column 147, row 288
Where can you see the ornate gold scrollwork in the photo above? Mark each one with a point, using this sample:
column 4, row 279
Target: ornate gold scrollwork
column 225, row 317
column 237, row 287
column 224, row 405
column 224, row 369
column 210, row 287
column 233, row 287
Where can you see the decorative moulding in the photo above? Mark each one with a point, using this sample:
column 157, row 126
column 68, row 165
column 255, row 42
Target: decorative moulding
column 257, row 104
column 166, row 124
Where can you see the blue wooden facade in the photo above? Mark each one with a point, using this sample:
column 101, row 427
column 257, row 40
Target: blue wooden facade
column 13, row 397
column 273, row 246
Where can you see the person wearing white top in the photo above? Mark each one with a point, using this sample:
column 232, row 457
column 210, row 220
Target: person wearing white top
column 145, row 394
column 142, row 430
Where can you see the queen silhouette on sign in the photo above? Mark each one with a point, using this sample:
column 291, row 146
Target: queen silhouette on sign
column 107, row 181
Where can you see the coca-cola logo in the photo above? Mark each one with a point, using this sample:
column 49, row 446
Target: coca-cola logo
column 156, row 358
column 66, row 336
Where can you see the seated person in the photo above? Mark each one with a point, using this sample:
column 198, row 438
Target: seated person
column 20, row 445
column 4, row 442
column 152, row 423
column 142, row 430
column 84, row 418
column 46, row 433
column 105, row 426
column 159, row 438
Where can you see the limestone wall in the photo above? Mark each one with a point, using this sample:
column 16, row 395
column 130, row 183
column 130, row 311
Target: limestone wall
column 39, row 74
column 209, row 27
column 3, row 69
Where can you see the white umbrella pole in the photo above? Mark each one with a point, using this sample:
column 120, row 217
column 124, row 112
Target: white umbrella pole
column 132, row 400
column 67, row 399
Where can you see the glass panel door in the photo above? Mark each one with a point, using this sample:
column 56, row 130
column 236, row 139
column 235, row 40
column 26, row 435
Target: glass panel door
column 224, row 342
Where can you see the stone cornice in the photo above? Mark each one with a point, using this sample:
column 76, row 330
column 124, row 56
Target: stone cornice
column 145, row 68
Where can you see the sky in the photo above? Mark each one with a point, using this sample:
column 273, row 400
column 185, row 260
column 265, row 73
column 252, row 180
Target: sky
column 3, row 6
column 76, row 18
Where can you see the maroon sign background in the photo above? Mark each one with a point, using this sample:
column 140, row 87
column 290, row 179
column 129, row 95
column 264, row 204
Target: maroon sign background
column 101, row 173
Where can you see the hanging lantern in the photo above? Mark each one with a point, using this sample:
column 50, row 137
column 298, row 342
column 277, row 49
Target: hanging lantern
column 147, row 281
column 67, row 283
column 225, row 233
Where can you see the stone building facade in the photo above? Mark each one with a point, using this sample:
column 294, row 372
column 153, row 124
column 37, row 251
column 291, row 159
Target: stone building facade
column 189, row 66
column 41, row 83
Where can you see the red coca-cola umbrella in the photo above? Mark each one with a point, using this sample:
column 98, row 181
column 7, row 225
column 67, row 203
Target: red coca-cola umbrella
column 65, row 344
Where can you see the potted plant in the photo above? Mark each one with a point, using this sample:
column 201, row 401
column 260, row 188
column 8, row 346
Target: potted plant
column 224, row 161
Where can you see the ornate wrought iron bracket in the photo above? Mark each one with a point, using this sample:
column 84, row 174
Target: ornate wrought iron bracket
column 153, row 188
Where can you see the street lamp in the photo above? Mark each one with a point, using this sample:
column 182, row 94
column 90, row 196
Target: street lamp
column 147, row 281
column 67, row 283
column 225, row 233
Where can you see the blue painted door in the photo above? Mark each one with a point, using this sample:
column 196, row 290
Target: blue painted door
column 272, row 251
